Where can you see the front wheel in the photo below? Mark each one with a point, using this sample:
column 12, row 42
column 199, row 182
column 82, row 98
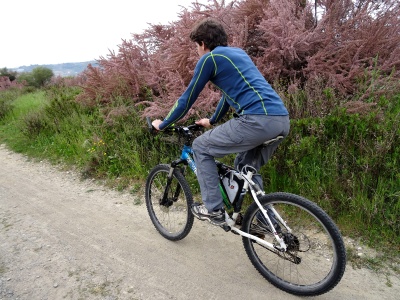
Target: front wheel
column 315, row 259
column 169, row 208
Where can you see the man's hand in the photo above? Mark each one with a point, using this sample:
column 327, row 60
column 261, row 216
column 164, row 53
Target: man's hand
column 156, row 124
column 204, row 122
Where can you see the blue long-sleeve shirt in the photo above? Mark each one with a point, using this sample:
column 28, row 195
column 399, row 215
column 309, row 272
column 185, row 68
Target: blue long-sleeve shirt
column 242, row 86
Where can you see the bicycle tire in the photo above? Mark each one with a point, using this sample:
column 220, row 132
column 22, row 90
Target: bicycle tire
column 316, row 260
column 173, row 220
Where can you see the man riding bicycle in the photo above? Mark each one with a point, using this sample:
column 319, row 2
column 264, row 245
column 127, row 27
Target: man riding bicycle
column 260, row 114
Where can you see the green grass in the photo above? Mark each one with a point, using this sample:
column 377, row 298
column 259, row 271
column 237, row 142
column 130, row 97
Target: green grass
column 12, row 124
column 347, row 163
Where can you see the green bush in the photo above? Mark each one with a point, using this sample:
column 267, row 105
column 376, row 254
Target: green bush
column 346, row 162
column 7, row 98
column 33, row 124
column 38, row 78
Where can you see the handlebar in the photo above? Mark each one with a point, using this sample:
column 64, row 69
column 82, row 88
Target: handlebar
column 185, row 131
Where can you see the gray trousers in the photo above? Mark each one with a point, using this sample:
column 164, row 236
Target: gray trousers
column 239, row 135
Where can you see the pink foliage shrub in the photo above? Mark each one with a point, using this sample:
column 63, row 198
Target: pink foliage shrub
column 6, row 83
column 351, row 47
column 78, row 80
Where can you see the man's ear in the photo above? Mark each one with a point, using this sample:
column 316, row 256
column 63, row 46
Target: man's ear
column 203, row 46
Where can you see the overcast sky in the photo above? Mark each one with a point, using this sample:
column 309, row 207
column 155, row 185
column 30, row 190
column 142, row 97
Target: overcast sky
column 62, row 31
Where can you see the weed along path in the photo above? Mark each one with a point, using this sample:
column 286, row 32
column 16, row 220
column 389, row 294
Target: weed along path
column 63, row 238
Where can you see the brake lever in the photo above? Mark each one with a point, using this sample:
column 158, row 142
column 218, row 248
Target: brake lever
column 151, row 128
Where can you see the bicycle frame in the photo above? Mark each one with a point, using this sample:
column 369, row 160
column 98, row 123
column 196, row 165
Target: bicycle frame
column 187, row 158
column 187, row 155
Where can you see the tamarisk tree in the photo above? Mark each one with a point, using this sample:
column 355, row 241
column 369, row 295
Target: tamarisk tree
column 351, row 47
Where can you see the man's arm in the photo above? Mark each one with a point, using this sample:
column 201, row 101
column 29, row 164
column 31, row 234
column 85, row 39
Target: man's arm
column 220, row 111
column 202, row 74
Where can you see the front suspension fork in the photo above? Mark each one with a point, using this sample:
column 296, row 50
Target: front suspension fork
column 165, row 201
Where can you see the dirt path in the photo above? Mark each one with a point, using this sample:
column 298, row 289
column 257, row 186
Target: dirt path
column 62, row 238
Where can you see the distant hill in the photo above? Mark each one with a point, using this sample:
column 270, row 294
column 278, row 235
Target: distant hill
column 64, row 69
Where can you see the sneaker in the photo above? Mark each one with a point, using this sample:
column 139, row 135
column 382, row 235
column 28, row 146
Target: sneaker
column 215, row 217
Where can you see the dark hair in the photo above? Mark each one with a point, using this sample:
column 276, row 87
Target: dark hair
column 210, row 32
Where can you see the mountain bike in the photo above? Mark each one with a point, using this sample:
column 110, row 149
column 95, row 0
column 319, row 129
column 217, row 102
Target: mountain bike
column 290, row 240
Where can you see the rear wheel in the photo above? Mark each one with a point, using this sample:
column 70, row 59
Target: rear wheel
column 315, row 259
column 172, row 216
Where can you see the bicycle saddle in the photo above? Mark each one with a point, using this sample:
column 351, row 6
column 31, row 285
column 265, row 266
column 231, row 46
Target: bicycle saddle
column 271, row 141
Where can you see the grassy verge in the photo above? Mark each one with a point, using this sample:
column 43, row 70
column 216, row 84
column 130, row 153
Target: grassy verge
column 347, row 163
